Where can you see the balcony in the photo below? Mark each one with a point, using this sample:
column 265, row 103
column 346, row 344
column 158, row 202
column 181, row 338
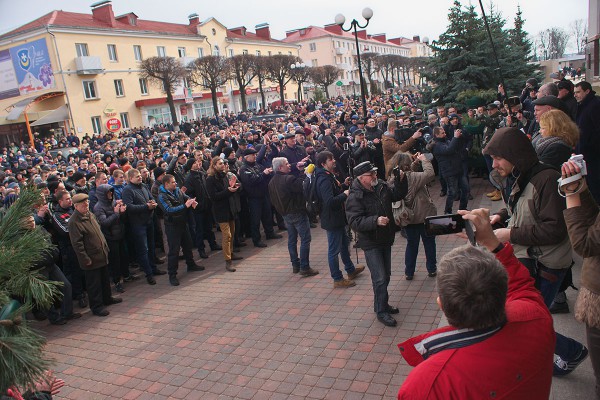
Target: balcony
column 340, row 51
column 88, row 65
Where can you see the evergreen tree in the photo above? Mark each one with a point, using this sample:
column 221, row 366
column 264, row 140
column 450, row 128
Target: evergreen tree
column 464, row 59
column 21, row 358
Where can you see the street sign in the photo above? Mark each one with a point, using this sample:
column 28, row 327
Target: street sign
column 339, row 83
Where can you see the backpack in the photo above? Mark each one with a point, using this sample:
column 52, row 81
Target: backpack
column 313, row 202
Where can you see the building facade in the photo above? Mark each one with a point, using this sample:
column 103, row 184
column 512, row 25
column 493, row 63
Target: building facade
column 81, row 71
column 330, row 45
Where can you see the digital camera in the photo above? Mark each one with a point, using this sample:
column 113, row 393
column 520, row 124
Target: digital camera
column 578, row 159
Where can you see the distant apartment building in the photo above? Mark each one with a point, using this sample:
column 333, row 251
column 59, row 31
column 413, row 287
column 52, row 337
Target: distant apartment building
column 592, row 50
column 78, row 71
column 330, row 45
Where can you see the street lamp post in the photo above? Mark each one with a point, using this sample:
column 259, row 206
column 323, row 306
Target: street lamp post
column 367, row 14
column 299, row 67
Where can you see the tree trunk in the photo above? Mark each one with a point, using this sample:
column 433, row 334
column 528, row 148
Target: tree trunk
column 213, row 92
column 243, row 98
column 172, row 109
column 326, row 91
column 262, row 94
column 281, row 95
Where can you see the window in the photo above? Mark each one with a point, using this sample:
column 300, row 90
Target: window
column 289, row 53
column 314, row 62
column 89, row 90
column 312, row 46
column 81, row 49
column 216, row 50
column 230, row 52
column 160, row 50
column 137, row 52
column 181, row 51
column 112, row 52
column 143, row 86
column 269, row 52
column 204, row 109
column 119, row 88
column 244, row 51
column 97, row 125
column 125, row 120
column 258, row 53
column 200, row 52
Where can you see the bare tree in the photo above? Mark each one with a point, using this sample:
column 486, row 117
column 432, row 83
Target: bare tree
column 552, row 43
column 210, row 72
column 370, row 69
column 385, row 64
column 300, row 75
column 168, row 73
column 243, row 71
column 279, row 70
column 325, row 76
column 260, row 68
column 578, row 29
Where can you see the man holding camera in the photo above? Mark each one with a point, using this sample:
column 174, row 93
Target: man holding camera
column 492, row 306
column 533, row 222
column 369, row 212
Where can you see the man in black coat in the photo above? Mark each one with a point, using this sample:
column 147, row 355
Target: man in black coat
column 369, row 211
column 175, row 205
column 296, row 155
column 333, row 220
column 588, row 120
column 255, row 180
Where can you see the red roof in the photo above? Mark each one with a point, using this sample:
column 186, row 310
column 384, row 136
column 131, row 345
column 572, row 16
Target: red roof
column 59, row 18
column 313, row 32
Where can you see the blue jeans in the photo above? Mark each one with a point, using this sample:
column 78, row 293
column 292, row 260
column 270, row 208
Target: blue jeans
column 414, row 232
column 143, row 238
column 298, row 225
column 454, row 182
column 565, row 347
column 379, row 262
column 260, row 211
column 337, row 244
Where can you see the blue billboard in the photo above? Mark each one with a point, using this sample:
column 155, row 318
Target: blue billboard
column 25, row 69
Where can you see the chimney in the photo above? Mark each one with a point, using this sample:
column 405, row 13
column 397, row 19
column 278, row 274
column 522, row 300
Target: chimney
column 380, row 37
column 397, row 41
column 102, row 11
column 194, row 19
column 240, row 30
column 333, row 28
column 262, row 31
column 417, row 38
column 362, row 34
column 290, row 33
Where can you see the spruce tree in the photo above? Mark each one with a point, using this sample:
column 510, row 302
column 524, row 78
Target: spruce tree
column 22, row 362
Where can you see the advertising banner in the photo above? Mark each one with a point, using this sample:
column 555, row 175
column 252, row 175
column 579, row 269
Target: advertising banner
column 25, row 69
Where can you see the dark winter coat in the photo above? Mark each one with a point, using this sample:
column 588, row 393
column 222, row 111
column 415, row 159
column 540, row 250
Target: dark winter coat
column 256, row 183
column 223, row 203
column 173, row 206
column 136, row 198
column 332, row 196
column 195, row 184
column 88, row 241
column 111, row 223
column 447, row 154
column 294, row 155
column 286, row 192
column 364, row 206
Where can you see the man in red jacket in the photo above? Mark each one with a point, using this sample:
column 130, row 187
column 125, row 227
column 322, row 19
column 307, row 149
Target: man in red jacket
column 500, row 341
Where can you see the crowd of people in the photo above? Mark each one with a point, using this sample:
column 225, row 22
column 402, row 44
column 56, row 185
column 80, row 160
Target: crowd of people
column 112, row 201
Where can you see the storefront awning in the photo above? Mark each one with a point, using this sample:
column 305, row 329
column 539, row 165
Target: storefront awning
column 22, row 105
column 58, row 115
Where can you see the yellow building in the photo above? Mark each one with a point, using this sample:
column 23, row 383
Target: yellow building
column 80, row 72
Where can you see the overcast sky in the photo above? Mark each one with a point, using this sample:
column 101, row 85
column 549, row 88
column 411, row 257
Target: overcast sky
column 395, row 18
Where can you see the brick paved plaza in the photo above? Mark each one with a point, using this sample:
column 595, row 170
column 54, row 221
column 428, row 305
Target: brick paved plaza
column 261, row 332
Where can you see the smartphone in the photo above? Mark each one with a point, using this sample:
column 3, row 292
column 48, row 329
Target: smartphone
column 449, row 224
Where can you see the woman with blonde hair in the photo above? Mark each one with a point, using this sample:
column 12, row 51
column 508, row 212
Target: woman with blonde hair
column 558, row 136
column 419, row 172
